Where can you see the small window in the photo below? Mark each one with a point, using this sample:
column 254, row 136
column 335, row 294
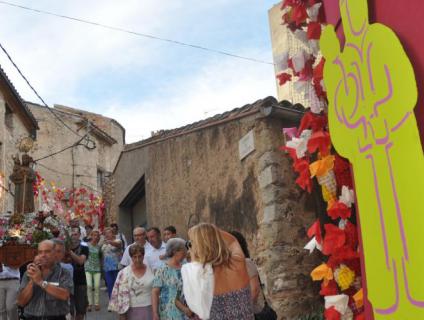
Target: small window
column 8, row 117
column 100, row 179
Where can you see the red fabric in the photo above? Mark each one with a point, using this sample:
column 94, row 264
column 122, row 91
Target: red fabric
column 283, row 78
column 314, row 30
column 317, row 77
column 319, row 141
column 339, row 210
column 315, row 230
column 332, row 314
column 331, row 289
column 334, row 239
column 351, row 235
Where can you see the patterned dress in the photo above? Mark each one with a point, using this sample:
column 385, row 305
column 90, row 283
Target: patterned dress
column 232, row 305
column 170, row 283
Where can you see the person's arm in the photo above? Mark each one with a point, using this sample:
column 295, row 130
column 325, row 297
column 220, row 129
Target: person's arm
column 255, row 288
column 183, row 308
column 26, row 291
column 232, row 244
column 78, row 259
column 55, row 291
column 155, row 303
column 116, row 243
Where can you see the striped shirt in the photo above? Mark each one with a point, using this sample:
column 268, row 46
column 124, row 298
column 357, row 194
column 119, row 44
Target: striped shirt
column 44, row 305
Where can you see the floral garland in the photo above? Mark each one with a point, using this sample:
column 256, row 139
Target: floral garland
column 81, row 203
column 313, row 157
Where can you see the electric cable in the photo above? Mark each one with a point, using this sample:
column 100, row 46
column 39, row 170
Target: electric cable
column 144, row 35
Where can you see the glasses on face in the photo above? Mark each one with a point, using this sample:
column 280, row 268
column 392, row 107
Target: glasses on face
column 188, row 244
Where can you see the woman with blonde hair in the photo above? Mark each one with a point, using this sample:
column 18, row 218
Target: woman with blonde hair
column 216, row 282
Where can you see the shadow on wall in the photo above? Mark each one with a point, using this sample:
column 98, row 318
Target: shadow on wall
column 233, row 212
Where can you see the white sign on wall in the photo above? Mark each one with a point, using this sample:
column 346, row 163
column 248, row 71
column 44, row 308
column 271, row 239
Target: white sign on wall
column 246, row 145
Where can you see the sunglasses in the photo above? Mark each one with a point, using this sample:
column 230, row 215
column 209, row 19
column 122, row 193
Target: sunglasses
column 188, row 244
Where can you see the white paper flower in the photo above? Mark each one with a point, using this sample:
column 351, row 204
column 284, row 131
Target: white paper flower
column 313, row 11
column 301, row 35
column 312, row 245
column 339, row 302
column 347, row 196
column 281, row 61
column 300, row 144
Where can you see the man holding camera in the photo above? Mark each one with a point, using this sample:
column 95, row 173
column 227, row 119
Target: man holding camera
column 45, row 287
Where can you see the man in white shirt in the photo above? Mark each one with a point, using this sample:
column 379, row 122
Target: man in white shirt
column 139, row 235
column 9, row 285
column 158, row 249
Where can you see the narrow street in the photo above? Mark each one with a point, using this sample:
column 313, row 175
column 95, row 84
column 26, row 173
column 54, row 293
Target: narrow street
column 103, row 314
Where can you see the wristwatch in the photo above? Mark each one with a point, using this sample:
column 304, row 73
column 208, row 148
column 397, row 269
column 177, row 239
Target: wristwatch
column 44, row 284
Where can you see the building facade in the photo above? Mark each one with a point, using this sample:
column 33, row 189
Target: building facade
column 17, row 122
column 76, row 148
column 228, row 170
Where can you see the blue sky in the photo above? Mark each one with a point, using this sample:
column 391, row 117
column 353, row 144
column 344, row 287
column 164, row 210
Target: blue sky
column 144, row 84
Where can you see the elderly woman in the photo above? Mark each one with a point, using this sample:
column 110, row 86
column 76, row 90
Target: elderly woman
column 131, row 295
column 168, row 284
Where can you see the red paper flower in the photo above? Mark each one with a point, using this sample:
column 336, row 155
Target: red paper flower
column 319, row 141
column 332, row 314
column 315, row 230
column 290, row 151
column 342, row 172
column 283, row 78
column 312, row 121
column 331, row 289
column 334, row 239
column 299, row 14
column 314, row 30
column 307, row 71
column 339, row 210
column 304, row 180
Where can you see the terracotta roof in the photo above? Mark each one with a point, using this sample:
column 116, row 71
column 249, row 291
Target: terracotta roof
column 208, row 122
column 18, row 97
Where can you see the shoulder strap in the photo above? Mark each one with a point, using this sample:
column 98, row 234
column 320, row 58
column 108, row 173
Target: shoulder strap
column 262, row 289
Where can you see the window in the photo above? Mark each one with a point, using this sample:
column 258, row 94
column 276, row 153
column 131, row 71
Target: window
column 100, row 179
column 8, row 117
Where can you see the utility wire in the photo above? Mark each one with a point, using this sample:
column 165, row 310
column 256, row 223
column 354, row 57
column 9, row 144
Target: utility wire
column 144, row 35
column 35, row 91
column 77, row 143
column 64, row 173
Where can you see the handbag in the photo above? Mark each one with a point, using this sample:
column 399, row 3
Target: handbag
column 267, row 313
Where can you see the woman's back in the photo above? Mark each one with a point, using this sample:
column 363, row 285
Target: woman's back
column 232, row 277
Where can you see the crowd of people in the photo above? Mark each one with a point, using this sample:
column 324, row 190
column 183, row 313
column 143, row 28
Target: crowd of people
column 208, row 276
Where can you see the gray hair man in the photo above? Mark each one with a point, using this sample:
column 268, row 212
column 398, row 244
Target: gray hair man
column 45, row 287
column 139, row 235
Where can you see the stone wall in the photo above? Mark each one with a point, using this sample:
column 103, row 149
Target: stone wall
column 10, row 134
column 77, row 166
column 199, row 177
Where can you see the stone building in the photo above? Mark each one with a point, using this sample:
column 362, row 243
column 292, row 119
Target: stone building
column 76, row 148
column 17, row 122
column 228, row 170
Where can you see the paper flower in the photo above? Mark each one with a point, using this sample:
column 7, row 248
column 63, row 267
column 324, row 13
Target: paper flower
column 314, row 30
column 300, row 144
column 319, row 141
column 312, row 245
column 313, row 11
column 283, row 78
column 322, row 272
column 329, row 289
column 313, row 121
column 281, row 61
column 290, row 132
column 334, row 239
column 359, row 298
column 332, row 314
column 347, row 196
column 315, row 230
column 301, row 166
column 339, row 302
column 298, row 60
column 321, row 167
column 344, row 277
column 339, row 210
column 301, row 35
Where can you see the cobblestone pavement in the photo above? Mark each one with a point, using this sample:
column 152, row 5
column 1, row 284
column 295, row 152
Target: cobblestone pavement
column 103, row 314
